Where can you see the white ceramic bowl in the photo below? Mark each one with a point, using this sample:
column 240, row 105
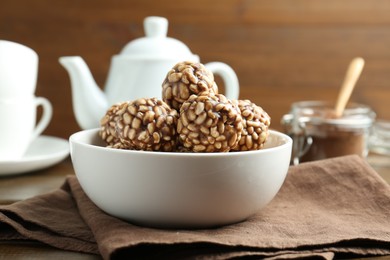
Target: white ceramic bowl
column 191, row 190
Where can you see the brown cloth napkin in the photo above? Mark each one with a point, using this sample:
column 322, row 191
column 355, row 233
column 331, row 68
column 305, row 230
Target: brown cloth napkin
column 334, row 207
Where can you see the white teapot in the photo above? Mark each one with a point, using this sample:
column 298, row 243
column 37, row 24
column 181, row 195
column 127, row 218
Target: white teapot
column 138, row 71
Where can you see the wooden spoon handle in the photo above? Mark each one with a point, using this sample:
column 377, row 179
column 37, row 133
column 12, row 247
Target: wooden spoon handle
column 354, row 70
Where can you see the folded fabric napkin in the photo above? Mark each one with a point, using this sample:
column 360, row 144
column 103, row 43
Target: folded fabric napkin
column 328, row 208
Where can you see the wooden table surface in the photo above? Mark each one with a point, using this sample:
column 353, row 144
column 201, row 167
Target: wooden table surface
column 18, row 187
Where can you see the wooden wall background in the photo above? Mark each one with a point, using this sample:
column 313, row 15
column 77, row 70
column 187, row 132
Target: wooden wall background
column 282, row 51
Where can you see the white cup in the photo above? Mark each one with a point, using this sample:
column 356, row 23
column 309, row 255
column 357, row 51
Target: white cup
column 18, row 125
column 18, row 70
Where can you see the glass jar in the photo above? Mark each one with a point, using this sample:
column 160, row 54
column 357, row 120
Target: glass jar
column 379, row 141
column 318, row 134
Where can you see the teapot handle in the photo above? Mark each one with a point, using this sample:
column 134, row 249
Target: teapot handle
column 228, row 76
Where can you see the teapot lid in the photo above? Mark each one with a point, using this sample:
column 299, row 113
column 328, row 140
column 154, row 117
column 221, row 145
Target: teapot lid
column 156, row 43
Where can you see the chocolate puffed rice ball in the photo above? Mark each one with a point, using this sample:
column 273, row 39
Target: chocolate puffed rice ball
column 209, row 123
column 147, row 124
column 183, row 80
column 256, row 124
column 108, row 126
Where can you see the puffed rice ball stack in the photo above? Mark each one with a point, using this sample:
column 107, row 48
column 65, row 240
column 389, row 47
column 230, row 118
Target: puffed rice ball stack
column 191, row 117
column 185, row 79
column 209, row 123
column 147, row 124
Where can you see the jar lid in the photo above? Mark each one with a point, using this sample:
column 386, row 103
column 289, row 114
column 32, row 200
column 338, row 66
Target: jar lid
column 155, row 44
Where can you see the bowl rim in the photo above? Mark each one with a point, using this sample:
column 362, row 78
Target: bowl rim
column 73, row 139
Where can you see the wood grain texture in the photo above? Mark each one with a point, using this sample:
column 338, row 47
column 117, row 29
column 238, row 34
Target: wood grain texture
column 282, row 51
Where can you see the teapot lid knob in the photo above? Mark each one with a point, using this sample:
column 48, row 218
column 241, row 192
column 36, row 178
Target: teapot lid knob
column 156, row 43
column 156, row 26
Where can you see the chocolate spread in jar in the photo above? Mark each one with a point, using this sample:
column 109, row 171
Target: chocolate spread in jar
column 334, row 143
column 318, row 134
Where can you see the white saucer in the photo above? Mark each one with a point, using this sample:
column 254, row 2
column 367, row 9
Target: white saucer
column 43, row 152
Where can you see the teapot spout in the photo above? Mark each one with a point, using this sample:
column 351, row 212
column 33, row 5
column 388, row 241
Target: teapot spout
column 89, row 101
